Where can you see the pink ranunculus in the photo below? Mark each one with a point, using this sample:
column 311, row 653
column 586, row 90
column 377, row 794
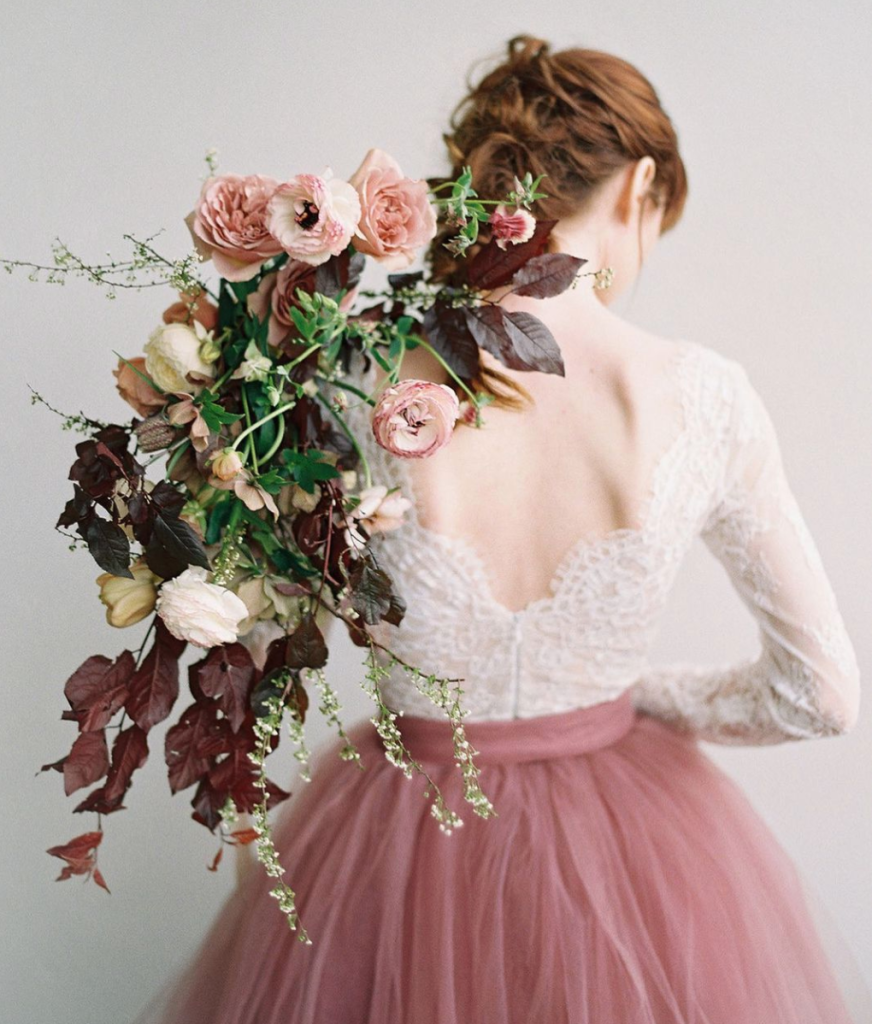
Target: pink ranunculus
column 397, row 217
column 415, row 418
column 313, row 218
column 514, row 227
column 204, row 311
column 229, row 225
column 137, row 392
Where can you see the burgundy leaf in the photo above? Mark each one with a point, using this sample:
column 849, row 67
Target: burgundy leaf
column 98, row 688
column 87, row 761
column 96, row 801
column 173, row 547
column 155, row 686
column 129, row 752
column 228, row 674
column 493, row 267
column 519, row 340
column 547, row 275
column 109, row 546
column 80, row 855
column 191, row 744
column 306, row 647
column 449, row 334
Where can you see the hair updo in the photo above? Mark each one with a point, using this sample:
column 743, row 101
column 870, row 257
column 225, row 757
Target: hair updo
column 576, row 116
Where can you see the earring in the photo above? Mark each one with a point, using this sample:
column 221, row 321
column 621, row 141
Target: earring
column 603, row 278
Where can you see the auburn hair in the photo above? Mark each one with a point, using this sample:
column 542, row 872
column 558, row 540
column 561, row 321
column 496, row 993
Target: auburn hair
column 577, row 116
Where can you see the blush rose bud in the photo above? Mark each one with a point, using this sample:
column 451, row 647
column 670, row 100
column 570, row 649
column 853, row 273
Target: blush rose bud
column 415, row 418
column 227, row 464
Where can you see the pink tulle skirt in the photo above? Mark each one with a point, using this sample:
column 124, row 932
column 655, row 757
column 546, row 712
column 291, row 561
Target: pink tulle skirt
column 625, row 880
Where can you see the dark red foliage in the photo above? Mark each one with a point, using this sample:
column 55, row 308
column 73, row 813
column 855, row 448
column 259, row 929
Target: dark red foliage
column 155, row 686
column 193, row 743
column 80, row 855
column 228, row 673
column 98, row 688
column 493, row 267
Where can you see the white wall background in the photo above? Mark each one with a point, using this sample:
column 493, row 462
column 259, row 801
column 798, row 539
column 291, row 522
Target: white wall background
column 106, row 112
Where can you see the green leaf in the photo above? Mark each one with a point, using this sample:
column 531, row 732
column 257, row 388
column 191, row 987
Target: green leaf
column 218, row 519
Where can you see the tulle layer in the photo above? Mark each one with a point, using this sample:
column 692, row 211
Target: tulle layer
column 626, row 880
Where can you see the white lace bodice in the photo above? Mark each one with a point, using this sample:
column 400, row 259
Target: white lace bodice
column 588, row 640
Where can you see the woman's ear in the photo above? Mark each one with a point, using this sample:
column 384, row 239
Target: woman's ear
column 638, row 178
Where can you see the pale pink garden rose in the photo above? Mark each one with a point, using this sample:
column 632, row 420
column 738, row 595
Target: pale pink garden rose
column 313, row 218
column 397, row 217
column 229, row 225
column 514, row 227
column 415, row 418
column 173, row 358
column 202, row 613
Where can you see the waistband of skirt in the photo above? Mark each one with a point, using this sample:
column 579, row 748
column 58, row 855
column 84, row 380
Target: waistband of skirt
column 508, row 741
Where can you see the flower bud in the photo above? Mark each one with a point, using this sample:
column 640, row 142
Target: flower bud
column 227, row 464
column 128, row 601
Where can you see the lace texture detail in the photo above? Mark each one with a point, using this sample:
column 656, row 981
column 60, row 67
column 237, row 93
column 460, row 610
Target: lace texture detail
column 588, row 640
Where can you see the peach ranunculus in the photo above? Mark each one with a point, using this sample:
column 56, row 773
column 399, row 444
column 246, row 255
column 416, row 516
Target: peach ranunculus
column 415, row 418
column 192, row 307
column 138, row 393
column 128, row 601
column 514, row 227
column 397, row 218
column 229, row 224
column 313, row 218
column 172, row 356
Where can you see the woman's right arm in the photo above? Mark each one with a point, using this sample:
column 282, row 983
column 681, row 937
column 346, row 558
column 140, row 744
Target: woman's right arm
column 805, row 681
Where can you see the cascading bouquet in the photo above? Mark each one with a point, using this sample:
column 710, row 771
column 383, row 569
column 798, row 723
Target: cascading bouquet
column 265, row 505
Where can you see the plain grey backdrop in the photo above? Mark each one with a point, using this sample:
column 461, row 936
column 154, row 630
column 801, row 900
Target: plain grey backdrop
column 107, row 110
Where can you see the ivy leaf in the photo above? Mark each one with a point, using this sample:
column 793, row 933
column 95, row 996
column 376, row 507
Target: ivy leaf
column 227, row 673
column 109, row 546
column 493, row 267
column 547, row 275
column 98, row 688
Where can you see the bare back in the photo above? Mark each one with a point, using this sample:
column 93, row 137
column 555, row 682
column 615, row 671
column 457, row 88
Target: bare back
column 525, row 488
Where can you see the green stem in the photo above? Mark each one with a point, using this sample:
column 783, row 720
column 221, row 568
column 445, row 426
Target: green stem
column 176, row 455
column 250, row 446
column 274, row 447
column 348, row 387
column 270, row 415
column 454, row 376
column 305, row 355
column 366, row 470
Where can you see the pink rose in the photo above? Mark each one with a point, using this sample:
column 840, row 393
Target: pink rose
column 397, row 217
column 277, row 295
column 228, row 224
column 415, row 418
column 313, row 218
column 137, row 392
column 511, row 227
column 204, row 311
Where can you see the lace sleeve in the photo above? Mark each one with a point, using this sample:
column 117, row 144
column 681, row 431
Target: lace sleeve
column 805, row 681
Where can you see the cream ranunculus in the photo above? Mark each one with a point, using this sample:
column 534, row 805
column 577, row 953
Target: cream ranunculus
column 128, row 601
column 203, row 613
column 172, row 353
